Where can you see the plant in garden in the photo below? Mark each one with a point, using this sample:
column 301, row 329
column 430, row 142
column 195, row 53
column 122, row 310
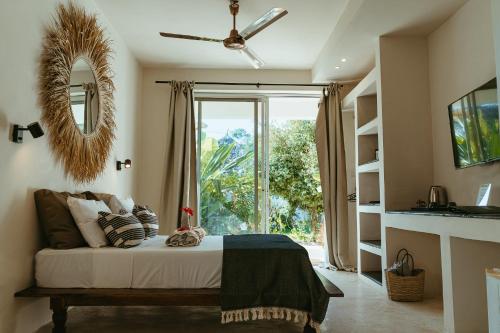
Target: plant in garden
column 226, row 184
column 294, row 175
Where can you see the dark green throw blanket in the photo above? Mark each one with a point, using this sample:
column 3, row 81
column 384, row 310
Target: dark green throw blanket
column 270, row 277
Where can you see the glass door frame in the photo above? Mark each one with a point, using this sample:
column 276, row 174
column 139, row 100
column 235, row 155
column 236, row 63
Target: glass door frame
column 263, row 98
column 261, row 171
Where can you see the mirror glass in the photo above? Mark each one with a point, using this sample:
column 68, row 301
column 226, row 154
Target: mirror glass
column 84, row 96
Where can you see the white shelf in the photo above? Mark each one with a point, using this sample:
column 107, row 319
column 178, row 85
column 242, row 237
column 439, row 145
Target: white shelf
column 363, row 100
column 367, row 86
column 369, row 209
column 369, row 167
column 370, row 248
column 369, row 128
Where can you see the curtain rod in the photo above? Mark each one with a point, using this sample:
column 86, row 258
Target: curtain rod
column 258, row 84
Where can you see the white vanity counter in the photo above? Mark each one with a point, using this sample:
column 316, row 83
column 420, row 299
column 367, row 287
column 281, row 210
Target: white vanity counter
column 446, row 224
column 462, row 247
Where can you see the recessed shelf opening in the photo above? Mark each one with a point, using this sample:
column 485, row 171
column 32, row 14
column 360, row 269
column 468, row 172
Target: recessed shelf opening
column 369, row 226
column 366, row 109
column 375, row 276
column 369, row 188
column 371, row 266
column 426, row 251
column 367, row 148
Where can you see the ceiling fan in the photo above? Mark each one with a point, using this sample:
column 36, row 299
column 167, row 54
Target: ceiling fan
column 236, row 40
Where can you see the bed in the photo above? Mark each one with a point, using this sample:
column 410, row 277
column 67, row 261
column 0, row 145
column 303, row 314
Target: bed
column 143, row 275
column 149, row 265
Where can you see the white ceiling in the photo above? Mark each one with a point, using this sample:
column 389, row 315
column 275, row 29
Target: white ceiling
column 293, row 42
column 363, row 21
column 316, row 34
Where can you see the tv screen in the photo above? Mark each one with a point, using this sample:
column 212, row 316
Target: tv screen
column 474, row 122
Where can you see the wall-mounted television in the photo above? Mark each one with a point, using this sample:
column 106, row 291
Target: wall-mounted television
column 474, row 122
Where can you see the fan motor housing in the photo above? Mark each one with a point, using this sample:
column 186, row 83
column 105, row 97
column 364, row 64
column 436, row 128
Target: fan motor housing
column 234, row 41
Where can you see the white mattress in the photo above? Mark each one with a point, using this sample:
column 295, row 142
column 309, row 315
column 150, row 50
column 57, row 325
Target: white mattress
column 149, row 265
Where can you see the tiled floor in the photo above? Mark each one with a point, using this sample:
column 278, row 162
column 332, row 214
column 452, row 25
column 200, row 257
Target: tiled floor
column 363, row 309
column 316, row 253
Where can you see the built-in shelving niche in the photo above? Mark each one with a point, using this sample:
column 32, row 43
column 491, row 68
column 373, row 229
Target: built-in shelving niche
column 368, row 170
column 366, row 109
column 367, row 147
column 370, row 246
column 426, row 251
column 369, row 229
column 371, row 266
column 369, row 187
column 367, row 131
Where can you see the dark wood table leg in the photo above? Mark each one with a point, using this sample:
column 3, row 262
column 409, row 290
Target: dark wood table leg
column 309, row 329
column 59, row 314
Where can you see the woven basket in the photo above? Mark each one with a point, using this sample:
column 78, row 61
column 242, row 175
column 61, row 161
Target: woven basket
column 406, row 288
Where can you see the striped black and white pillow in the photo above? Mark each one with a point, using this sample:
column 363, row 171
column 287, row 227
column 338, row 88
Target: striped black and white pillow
column 123, row 230
column 148, row 219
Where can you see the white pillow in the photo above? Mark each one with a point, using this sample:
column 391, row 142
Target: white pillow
column 116, row 204
column 85, row 213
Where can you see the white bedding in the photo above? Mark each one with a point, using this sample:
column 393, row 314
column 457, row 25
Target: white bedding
column 149, row 265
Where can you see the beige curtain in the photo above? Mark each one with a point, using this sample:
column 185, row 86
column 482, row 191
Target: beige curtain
column 179, row 188
column 332, row 167
column 90, row 110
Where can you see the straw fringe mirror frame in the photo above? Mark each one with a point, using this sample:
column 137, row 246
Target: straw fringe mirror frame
column 75, row 34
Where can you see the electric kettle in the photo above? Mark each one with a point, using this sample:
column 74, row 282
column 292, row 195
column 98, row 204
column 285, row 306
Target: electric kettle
column 437, row 197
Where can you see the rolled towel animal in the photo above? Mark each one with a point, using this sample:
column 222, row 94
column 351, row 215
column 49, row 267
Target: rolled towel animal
column 185, row 236
column 200, row 231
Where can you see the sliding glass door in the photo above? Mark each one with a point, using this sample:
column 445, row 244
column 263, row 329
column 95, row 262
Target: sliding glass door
column 229, row 164
column 258, row 168
column 295, row 200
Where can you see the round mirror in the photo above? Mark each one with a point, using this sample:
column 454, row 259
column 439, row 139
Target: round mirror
column 80, row 119
column 84, row 96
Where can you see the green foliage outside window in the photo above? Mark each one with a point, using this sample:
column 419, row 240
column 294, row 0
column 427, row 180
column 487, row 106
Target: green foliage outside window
column 294, row 177
column 227, row 183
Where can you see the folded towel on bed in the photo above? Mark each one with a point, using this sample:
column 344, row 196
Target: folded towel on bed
column 186, row 237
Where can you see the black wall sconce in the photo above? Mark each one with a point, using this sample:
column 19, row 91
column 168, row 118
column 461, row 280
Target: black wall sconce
column 127, row 164
column 34, row 128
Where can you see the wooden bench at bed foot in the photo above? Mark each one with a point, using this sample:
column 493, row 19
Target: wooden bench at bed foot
column 61, row 299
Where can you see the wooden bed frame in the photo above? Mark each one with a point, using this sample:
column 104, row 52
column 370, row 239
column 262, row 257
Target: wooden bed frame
column 61, row 299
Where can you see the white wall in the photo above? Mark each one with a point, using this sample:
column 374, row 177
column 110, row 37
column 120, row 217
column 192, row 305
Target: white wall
column 469, row 260
column 403, row 99
column 461, row 58
column 30, row 166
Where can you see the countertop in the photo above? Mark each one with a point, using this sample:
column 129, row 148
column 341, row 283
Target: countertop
column 445, row 214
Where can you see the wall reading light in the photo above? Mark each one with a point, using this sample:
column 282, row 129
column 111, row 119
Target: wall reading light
column 34, row 128
column 127, row 164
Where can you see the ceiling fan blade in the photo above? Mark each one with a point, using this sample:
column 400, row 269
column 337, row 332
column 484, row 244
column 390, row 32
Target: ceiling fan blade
column 252, row 57
column 166, row 34
column 263, row 22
